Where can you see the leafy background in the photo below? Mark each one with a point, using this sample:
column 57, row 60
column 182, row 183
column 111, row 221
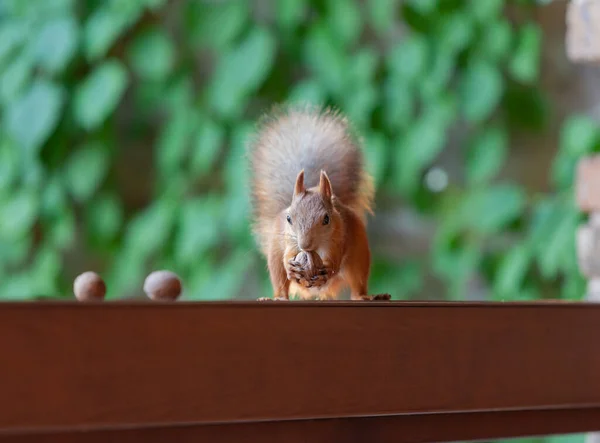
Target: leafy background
column 123, row 125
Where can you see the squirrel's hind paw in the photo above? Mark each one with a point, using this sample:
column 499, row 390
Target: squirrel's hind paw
column 376, row 297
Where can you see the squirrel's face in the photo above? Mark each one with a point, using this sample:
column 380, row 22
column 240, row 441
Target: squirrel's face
column 311, row 217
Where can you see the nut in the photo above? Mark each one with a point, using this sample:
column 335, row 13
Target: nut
column 310, row 261
column 89, row 286
column 162, row 286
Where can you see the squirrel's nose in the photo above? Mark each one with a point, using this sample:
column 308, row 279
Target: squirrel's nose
column 304, row 244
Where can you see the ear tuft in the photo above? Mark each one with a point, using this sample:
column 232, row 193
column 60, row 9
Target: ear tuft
column 299, row 187
column 325, row 186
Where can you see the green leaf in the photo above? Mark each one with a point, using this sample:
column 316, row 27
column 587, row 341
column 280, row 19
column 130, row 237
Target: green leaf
column 32, row 117
column 579, row 135
column 15, row 78
column 487, row 153
column 154, row 5
column 481, row 90
column 56, row 43
column 382, row 14
column 104, row 218
column 152, row 54
column 409, row 58
column 12, row 35
column 99, row 94
column 398, row 103
column 150, row 228
column 324, row 59
column 173, row 142
column 85, row 170
column 241, row 71
column 227, row 278
column 18, row 287
column 308, row 91
column 488, row 210
column 363, row 66
column 236, row 173
column 290, row 13
column 61, row 234
column 345, row 27
column 126, row 273
column 179, row 93
column 563, row 170
column 512, row 271
column 545, row 215
column 487, row 10
column 18, row 213
column 455, row 32
column 495, row 42
column 236, row 177
column 406, row 278
column 54, row 200
column 198, row 229
column 38, row 10
column 45, row 271
column 525, row 62
column 209, row 139
column 217, row 24
column 454, row 261
column 14, row 251
column 422, row 142
column 553, row 253
column 33, row 171
column 101, row 30
column 423, row 6
column 375, row 149
column 551, row 234
column 9, row 164
column 436, row 80
column 360, row 103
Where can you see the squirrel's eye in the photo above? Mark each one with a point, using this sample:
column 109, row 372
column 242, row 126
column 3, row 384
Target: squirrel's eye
column 289, row 219
column 326, row 219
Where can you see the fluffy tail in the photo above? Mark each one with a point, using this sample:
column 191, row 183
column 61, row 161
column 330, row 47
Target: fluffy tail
column 294, row 138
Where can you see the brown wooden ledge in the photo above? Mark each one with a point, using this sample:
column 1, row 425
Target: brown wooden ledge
column 310, row 371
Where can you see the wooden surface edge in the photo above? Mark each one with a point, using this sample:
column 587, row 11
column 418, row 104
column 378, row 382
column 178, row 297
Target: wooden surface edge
column 137, row 302
column 416, row 428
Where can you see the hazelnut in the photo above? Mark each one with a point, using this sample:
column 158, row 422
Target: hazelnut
column 310, row 261
column 162, row 286
column 89, row 286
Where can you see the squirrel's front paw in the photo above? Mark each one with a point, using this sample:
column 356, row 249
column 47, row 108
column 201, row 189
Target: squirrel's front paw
column 320, row 279
column 295, row 271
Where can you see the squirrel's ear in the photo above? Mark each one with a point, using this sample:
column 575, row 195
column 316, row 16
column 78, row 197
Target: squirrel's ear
column 299, row 187
column 325, row 186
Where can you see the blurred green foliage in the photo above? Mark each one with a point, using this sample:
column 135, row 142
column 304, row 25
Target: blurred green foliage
column 124, row 123
column 560, row 438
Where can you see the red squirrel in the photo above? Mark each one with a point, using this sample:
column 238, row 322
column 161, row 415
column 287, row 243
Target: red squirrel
column 311, row 193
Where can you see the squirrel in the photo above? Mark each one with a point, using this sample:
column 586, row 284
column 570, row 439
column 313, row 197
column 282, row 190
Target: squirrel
column 311, row 192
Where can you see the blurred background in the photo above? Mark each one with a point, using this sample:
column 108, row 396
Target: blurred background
column 124, row 125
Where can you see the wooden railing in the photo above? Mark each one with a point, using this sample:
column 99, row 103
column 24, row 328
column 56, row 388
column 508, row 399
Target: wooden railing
column 297, row 371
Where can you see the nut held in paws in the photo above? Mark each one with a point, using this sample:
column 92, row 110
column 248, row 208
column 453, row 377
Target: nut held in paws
column 310, row 261
column 89, row 286
column 162, row 286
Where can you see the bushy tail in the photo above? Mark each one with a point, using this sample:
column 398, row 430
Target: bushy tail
column 293, row 138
